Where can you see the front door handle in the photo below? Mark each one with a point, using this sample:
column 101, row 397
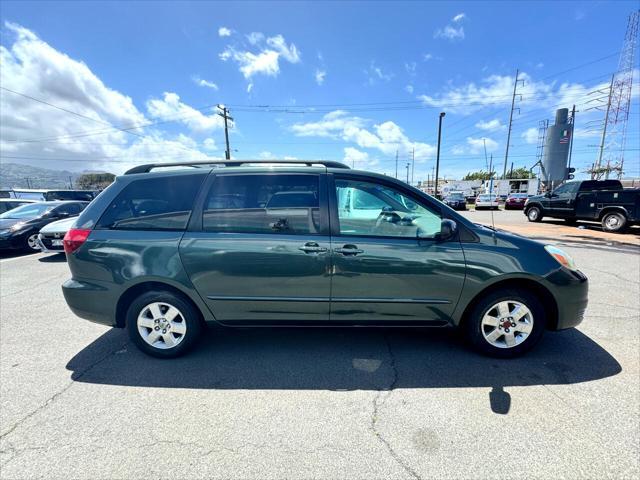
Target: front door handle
column 312, row 247
column 348, row 249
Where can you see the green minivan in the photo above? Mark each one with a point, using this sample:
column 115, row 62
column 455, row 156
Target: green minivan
column 164, row 251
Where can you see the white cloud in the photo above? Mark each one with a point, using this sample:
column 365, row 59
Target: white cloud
column 171, row 107
column 530, row 135
column 453, row 31
column 66, row 141
column 427, row 56
column 494, row 90
column 255, row 38
column 490, row 125
column 386, row 137
column 265, row 59
column 450, row 33
column 204, row 83
column 224, row 32
column 209, row 144
column 375, row 74
column 353, row 156
column 475, row 146
column 319, row 76
column 409, row 88
column 410, row 67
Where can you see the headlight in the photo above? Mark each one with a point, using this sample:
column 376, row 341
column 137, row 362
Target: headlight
column 17, row 226
column 561, row 257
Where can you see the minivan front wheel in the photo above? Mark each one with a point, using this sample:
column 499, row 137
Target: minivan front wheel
column 506, row 323
column 163, row 324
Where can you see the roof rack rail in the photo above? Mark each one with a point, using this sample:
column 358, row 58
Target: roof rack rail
column 233, row 163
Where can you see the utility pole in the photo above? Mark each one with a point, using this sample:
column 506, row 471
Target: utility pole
column 28, row 183
column 442, row 114
column 396, row 164
column 413, row 164
column 70, row 183
column 513, row 102
column 511, row 171
column 224, row 113
column 573, row 131
column 486, row 161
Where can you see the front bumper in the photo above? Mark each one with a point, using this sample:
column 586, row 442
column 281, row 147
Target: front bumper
column 571, row 290
column 91, row 301
column 13, row 241
column 46, row 244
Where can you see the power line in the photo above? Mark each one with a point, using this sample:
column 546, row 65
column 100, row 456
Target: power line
column 65, row 110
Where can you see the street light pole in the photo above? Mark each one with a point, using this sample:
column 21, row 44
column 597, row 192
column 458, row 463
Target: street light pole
column 442, row 114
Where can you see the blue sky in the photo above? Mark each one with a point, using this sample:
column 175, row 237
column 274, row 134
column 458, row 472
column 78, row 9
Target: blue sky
column 343, row 81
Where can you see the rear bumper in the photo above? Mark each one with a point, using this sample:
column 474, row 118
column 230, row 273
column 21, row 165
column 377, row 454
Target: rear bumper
column 90, row 301
column 571, row 290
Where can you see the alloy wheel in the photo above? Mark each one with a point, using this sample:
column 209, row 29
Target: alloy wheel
column 507, row 324
column 161, row 325
column 32, row 242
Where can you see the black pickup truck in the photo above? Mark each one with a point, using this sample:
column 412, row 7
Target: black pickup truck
column 602, row 201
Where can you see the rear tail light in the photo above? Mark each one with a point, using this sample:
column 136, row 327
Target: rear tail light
column 74, row 239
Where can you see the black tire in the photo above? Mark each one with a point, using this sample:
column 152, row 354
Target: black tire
column 475, row 331
column 614, row 222
column 188, row 314
column 534, row 214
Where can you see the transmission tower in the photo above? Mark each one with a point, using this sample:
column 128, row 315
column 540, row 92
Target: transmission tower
column 618, row 102
column 513, row 108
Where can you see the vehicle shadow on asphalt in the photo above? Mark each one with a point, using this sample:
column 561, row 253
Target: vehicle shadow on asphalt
column 343, row 359
column 54, row 258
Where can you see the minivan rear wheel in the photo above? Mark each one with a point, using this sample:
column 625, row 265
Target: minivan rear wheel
column 163, row 324
column 506, row 323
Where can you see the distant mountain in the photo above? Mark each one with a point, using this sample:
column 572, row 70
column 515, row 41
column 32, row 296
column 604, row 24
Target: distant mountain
column 14, row 175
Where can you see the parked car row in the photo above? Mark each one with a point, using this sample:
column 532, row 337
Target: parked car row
column 35, row 226
column 458, row 201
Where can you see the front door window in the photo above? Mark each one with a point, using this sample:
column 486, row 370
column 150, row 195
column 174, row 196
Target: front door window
column 369, row 209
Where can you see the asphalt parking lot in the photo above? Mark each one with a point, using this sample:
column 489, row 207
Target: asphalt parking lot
column 79, row 401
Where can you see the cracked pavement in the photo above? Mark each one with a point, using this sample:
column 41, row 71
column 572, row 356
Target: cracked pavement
column 77, row 400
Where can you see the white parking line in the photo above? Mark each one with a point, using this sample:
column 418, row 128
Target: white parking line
column 7, row 260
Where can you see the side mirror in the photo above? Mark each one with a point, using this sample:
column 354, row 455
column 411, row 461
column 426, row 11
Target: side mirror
column 448, row 230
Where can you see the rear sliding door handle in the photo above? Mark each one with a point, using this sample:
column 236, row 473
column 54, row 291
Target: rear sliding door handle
column 348, row 250
column 312, row 247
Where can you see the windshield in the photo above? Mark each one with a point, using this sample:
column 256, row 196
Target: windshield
column 31, row 210
column 518, row 195
column 487, row 197
column 456, row 196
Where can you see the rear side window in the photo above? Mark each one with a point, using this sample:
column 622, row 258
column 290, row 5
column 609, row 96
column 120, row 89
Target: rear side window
column 286, row 204
column 153, row 204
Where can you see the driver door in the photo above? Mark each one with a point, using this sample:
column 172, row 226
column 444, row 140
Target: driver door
column 388, row 266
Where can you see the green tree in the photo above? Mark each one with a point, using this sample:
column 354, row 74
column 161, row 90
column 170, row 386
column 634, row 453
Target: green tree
column 520, row 172
column 94, row 181
column 481, row 175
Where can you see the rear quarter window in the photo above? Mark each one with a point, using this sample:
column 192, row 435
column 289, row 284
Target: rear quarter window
column 163, row 203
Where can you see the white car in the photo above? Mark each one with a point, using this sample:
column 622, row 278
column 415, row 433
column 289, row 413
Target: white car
column 486, row 201
column 51, row 235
